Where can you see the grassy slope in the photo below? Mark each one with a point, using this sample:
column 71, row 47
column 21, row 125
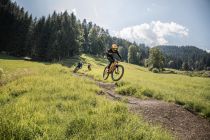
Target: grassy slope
column 44, row 101
column 192, row 92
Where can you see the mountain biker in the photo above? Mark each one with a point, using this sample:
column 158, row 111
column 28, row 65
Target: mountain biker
column 79, row 65
column 110, row 54
column 89, row 66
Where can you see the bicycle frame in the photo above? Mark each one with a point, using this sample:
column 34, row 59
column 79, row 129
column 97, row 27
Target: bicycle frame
column 113, row 66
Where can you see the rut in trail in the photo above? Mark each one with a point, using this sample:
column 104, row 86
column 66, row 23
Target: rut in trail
column 183, row 124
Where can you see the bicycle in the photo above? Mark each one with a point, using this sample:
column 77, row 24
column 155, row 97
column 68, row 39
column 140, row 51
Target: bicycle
column 76, row 69
column 79, row 66
column 115, row 70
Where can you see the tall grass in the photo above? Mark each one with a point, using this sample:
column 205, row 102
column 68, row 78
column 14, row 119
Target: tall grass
column 50, row 103
column 191, row 92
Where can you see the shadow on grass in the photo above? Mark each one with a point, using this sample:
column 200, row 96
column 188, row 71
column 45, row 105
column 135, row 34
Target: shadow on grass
column 71, row 61
column 101, row 61
column 8, row 57
column 68, row 62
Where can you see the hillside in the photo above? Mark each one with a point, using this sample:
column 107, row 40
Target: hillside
column 145, row 93
column 180, row 51
column 196, row 58
column 191, row 92
column 45, row 101
column 42, row 97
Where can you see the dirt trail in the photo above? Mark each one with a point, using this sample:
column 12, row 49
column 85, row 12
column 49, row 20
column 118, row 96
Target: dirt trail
column 182, row 123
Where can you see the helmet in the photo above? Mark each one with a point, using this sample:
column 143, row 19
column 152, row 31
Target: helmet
column 114, row 47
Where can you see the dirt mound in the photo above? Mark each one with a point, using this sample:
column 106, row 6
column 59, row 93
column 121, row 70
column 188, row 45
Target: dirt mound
column 182, row 123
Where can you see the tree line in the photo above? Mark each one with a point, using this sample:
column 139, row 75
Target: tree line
column 62, row 35
column 54, row 37
column 185, row 57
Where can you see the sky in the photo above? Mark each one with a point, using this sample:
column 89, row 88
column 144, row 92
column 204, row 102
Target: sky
column 153, row 22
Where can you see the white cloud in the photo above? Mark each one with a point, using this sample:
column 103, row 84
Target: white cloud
column 154, row 33
column 208, row 50
column 148, row 9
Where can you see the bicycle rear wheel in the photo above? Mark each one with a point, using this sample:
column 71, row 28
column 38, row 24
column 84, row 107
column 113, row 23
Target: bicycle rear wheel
column 117, row 74
column 105, row 73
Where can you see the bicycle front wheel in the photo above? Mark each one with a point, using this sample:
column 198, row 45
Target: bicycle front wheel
column 117, row 74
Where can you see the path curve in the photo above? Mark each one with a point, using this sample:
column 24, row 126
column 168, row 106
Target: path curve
column 183, row 124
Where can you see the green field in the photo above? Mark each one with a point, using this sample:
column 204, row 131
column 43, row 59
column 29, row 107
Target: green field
column 191, row 92
column 45, row 101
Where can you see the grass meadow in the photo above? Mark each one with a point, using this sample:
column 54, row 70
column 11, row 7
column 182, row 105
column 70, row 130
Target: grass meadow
column 191, row 92
column 45, row 101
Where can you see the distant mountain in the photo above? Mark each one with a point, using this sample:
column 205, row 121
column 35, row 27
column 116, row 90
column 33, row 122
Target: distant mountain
column 178, row 56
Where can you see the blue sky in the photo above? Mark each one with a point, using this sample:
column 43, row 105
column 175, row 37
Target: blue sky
column 153, row 22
